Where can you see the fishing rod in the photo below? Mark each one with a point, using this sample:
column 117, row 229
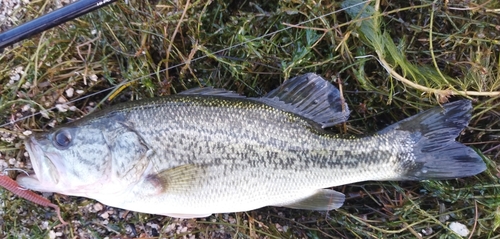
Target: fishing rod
column 50, row 20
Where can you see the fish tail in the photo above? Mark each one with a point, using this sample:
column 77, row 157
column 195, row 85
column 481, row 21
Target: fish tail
column 436, row 154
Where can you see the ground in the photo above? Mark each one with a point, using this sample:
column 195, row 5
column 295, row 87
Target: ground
column 391, row 59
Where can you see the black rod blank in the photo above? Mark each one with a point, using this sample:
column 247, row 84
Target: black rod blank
column 50, row 20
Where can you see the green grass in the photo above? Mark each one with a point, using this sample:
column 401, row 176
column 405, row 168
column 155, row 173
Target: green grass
column 392, row 58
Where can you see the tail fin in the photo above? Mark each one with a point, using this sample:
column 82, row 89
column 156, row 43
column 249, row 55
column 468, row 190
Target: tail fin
column 436, row 154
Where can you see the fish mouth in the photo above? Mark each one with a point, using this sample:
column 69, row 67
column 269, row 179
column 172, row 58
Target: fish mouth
column 45, row 175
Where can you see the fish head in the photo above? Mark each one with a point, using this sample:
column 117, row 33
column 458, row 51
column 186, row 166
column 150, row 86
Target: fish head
column 69, row 160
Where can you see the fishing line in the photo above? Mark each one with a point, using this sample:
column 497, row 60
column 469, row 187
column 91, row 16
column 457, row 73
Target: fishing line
column 193, row 60
column 15, row 169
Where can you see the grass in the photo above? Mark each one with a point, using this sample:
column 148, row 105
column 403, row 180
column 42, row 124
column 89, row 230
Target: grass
column 391, row 58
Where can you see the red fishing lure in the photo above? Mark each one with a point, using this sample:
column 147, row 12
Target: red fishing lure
column 11, row 185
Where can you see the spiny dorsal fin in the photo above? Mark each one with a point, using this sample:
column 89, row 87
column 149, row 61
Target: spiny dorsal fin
column 311, row 97
column 210, row 91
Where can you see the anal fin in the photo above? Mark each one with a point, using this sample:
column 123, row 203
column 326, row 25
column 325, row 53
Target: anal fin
column 178, row 215
column 320, row 200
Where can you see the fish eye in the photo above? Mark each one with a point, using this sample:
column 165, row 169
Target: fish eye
column 62, row 138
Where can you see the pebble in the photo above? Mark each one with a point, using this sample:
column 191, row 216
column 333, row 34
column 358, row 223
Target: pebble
column 98, row 207
column 25, row 108
column 105, row 215
column 45, row 225
column 61, row 100
column 93, row 77
column 459, row 228
column 53, row 234
column 14, row 77
column 62, row 107
column 52, row 123
column 70, row 92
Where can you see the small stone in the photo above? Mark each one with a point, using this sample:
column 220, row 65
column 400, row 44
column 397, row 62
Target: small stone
column 15, row 77
column 459, row 228
column 278, row 226
column 52, row 234
column 26, row 85
column 427, row 231
column 98, row 207
column 27, row 132
column 105, row 215
column 62, row 107
column 70, row 92
column 45, row 225
column 170, row 228
column 62, row 100
column 19, row 69
column 52, row 123
column 25, row 108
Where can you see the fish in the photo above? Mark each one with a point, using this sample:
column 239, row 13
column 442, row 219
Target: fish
column 209, row 150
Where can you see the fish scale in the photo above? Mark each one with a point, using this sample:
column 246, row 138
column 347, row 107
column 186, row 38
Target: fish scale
column 207, row 151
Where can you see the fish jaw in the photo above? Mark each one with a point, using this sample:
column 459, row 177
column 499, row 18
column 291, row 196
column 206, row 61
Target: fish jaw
column 46, row 176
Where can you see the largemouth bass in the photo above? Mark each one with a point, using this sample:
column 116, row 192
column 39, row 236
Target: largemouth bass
column 208, row 151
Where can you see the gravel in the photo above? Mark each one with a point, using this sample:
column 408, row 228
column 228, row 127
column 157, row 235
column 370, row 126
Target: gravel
column 11, row 13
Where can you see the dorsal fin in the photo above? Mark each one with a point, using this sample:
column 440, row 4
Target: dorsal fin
column 311, row 97
column 211, row 92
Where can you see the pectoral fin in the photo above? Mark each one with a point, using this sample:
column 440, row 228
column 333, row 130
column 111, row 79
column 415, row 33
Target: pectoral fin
column 321, row 200
column 179, row 179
